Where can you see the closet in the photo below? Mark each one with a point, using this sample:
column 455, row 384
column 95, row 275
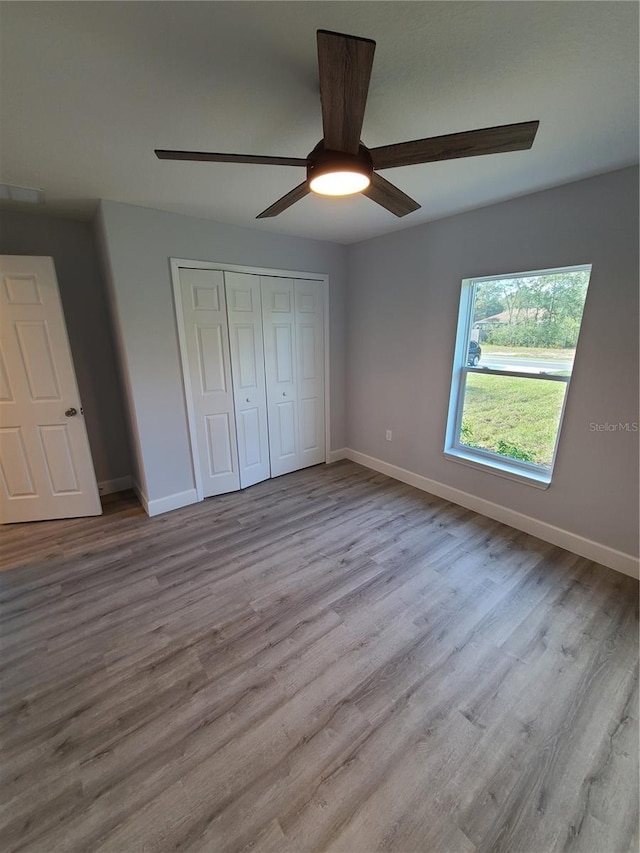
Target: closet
column 253, row 362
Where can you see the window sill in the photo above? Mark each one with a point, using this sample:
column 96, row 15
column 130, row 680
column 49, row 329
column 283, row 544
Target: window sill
column 499, row 468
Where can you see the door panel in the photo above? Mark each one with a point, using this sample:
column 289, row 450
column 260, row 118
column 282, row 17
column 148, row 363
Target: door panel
column 46, row 470
column 287, row 429
column 249, row 434
column 6, row 394
column 219, row 447
column 205, row 298
column 211, row 358
column 58, row 457
column 278, row 317
column 16, row 474
column 206, row 341
column 307, row 352
column 309, row 305
column 22, row 289
column 308, row 433
column 245, row 375
column 283, row 352
column 247, row 368
column 37, row 361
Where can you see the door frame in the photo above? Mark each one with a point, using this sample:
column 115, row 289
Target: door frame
column 188, row 263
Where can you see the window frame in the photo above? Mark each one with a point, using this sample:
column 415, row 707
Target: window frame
column 514, row 469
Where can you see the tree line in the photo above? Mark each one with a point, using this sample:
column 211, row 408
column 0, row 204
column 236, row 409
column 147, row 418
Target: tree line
column 536, row 311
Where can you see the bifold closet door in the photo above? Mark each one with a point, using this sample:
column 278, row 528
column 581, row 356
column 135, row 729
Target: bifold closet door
column 244, row 312
column 206, row 339
column 292, row 316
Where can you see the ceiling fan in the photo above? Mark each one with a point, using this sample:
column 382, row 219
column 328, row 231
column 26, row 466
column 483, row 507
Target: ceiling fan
column 340, row 164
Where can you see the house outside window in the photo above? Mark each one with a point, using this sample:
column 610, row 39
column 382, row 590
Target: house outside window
column 514, row 355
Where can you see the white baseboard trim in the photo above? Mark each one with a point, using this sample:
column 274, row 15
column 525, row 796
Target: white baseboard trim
column 337, row 455
column 617, row 560
column 180, row 499
column 160, row 505
column 119, row 484
column 140, row 495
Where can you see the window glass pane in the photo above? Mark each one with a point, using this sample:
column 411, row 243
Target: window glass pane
column 512, row 416
column 530, row 323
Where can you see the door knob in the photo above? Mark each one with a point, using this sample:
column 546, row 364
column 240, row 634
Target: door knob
column 284, row 393
column 70, row 413
column 247, row 400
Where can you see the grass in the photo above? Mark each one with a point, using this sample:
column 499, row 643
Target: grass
column 529, row 352
column 514, row 417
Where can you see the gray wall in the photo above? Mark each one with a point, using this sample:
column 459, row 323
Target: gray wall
column 72, row 246
column 138, row 243
column 402, row 310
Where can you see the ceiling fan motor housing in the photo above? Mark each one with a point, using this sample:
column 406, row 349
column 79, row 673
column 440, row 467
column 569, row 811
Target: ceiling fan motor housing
column 324, row 161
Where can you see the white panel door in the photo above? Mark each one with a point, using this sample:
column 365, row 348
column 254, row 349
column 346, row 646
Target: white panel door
column 244, row 314
column 279, row 324
column 46, row 470
column 208, row 369
column 309, row 308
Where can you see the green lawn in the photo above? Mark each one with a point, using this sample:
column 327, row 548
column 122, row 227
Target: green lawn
column 532, row 352
column 512, row 416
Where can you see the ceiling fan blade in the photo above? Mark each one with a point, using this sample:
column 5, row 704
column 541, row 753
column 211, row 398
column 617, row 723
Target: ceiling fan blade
column 389, row 196
column 470, row 143
column 210, row 157
column 344, row 65
column 286, row 201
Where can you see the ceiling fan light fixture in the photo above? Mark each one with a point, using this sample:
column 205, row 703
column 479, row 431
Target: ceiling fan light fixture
column 339, row 183
column 336, row 173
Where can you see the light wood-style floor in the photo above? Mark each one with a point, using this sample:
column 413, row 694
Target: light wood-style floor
column 329, row 661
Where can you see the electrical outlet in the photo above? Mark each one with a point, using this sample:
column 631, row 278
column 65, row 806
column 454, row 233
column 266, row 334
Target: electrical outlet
column 389, row 435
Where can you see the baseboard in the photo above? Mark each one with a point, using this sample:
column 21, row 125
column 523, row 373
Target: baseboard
column 337, row 455
column 176, row 501
column 160, row 505
column 617, row 560
column 119, row 484
column 140, row 495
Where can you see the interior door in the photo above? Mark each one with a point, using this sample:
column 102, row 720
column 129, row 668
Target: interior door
column 46, row 469
column 309, row 308
column 279, row 323
column 205, row 340
column 244, row 313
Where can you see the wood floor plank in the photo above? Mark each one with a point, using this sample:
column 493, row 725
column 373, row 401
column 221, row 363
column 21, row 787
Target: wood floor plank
column 328, row 661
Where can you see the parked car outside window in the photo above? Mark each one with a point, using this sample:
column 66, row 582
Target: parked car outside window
column 473, row 356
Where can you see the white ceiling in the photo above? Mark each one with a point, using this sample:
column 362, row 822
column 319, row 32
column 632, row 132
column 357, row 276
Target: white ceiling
column 89, row 89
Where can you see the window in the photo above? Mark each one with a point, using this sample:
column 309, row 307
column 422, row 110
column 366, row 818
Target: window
column 515, row 347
